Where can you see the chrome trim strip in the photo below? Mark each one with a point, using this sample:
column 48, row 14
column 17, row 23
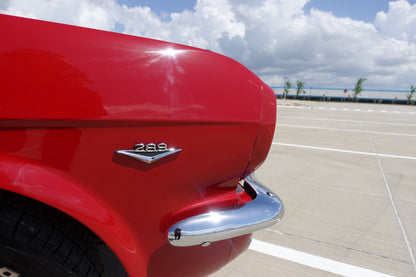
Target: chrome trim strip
column 265, row 210
column 148, row 159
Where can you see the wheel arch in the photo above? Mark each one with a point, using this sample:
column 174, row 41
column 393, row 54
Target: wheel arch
column 39, row 183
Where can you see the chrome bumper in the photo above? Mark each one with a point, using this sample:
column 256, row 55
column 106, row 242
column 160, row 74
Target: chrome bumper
column 263, row 211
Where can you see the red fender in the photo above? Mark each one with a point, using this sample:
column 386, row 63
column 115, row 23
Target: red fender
column 32, row 180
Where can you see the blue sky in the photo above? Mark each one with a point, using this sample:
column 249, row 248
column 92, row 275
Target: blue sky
column 325, row 43
column 161, row 6
column 364, row 10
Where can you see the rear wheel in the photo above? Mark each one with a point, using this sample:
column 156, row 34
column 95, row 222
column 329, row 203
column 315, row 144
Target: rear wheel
column 38, row 241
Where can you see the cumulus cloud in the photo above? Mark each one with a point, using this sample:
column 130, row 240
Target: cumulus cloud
column 274, row 38
column 92, row 13
column 399, row 22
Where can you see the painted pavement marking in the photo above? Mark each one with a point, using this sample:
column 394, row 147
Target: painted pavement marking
column 313, row 261
column 345, row 151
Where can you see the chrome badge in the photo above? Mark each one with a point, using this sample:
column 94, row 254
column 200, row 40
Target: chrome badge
column 149, row 153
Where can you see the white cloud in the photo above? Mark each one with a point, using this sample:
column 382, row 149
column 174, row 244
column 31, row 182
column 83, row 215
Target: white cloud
column 274, row 38
column 399, row 22
column 93, row 14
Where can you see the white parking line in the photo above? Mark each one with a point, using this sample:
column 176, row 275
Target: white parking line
column 345, row 151
column 346, row 120
column 358, row 110
column 346, row 130
column 312, row 260
column 393, row 204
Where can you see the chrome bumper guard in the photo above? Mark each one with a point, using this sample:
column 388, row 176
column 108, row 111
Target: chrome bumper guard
column 265, row 210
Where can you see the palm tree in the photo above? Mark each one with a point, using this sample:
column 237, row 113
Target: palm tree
column 358, row 87
column 288, row 85
column 299, row 89
column 410, row 95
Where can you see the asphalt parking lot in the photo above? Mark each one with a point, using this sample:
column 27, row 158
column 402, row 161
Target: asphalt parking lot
column 346, row 173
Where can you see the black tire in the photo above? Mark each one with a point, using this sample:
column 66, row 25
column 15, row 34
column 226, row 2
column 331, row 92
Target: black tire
column 38, row 241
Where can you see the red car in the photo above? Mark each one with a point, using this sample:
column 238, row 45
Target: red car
column 124, row 155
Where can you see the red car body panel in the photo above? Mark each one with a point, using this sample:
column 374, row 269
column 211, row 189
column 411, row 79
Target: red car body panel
column 71, row 96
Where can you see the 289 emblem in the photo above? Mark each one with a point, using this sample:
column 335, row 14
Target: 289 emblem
column 150, row 147
column 150, row 152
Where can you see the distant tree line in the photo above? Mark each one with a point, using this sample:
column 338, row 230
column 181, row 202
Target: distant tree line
column 299, row 88
column 357, row 90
